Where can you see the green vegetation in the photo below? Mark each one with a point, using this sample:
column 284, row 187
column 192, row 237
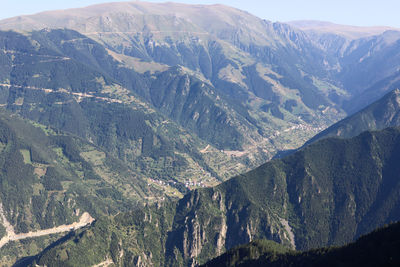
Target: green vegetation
column 379, row 248
column 125, row 238
column 46, row 182
column 116, row 109
column 328, row 193
column 95, row 242
column 27, row 156
column 246, row 255
column 109, row 122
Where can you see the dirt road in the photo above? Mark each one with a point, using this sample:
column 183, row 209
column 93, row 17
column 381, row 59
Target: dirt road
column 84, row 220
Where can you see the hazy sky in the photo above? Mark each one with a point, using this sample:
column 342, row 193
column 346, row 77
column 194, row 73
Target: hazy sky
column 353, row 12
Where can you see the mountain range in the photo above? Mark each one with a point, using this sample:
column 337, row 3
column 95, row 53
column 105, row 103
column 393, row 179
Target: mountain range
column 137, row 104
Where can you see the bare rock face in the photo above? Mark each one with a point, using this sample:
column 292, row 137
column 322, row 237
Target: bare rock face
column 193, row 239
column 213, row 223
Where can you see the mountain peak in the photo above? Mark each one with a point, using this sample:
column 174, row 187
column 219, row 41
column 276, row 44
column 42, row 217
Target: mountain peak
column 218, row 21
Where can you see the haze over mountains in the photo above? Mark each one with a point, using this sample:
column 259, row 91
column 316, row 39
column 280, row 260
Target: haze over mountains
column 139, row 103
column 377, row 116
column 248, row 60
column 352, row 32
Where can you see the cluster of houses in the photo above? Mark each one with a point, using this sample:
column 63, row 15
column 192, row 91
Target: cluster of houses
column 188, row 184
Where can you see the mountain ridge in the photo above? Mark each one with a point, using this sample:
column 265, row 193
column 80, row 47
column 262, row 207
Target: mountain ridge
column 377, row 248
column 348, row 31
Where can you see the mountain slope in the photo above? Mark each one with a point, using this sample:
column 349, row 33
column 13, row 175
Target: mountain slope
column 379, row 115
column 378, row 248
column 373, row 93
column 50, row 179
column 363, row 57
column 268, row 73
column 363, row 60
column 262, row 84
column 329, row 193
column 61, row 78
column 186, row 96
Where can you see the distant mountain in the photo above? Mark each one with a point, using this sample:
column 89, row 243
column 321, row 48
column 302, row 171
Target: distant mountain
column 269, row 86
column 379, row 115
column 347, row 31
column 329, row 193
column 283, row 77
column 269, row 73
column 373, row 93
column 367, row 62
column 378, row 248
column 363, row 60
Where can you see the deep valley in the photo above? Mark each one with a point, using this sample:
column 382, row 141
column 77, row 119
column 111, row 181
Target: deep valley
column 166, row 134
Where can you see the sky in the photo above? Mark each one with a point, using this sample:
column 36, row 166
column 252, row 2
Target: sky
column 350, row 12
